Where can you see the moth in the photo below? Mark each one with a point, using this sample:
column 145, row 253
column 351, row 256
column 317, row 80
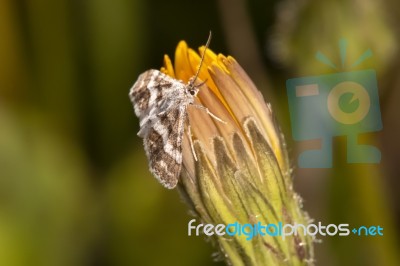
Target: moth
column 160, row 102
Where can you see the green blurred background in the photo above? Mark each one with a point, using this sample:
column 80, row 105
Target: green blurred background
column 74, row 185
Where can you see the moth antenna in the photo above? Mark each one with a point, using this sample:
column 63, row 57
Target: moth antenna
column 192, row 81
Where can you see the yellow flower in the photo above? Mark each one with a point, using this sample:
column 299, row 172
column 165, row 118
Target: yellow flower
column 242, row 172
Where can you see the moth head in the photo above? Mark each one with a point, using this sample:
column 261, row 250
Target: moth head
column 193, row 88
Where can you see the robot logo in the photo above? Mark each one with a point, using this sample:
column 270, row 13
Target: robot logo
column 340, row 104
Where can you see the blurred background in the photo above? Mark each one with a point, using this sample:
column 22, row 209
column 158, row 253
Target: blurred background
column 74, row 184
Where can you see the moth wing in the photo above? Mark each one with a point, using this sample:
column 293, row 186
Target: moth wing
column 163, row 145
column 150, row 89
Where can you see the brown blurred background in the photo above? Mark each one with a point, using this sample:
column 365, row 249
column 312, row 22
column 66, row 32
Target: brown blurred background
column 74, row 185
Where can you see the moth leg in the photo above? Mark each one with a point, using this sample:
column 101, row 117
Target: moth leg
column 209, row 112
column 189, row 134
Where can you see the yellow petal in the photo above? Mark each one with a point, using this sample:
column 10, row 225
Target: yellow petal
column 183, row 69
column 168, row 69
